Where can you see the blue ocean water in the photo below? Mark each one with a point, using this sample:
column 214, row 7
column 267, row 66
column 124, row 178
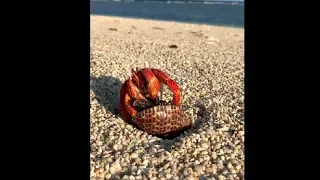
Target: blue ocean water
column 223, row 13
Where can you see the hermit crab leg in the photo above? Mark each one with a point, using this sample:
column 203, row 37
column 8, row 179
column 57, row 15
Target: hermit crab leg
column 173, row 86
column 122, row 106
column 128, row 105
column 133, row 90
column 138, row 80
column 129, row 92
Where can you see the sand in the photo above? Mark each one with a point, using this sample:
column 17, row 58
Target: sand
column 208, row 64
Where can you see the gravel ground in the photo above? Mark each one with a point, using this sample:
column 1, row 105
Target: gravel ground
column 207, row 63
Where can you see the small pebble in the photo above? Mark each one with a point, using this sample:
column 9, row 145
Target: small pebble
column 223, row 128
column 221, row 177
column 99, row 143
column 204, row 145
column 199, row 168
column 115, row 168
column 217, row 146
column 238, row 167
column 107, row 176
column 134, row 155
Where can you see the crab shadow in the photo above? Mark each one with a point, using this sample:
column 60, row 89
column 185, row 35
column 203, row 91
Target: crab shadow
column 107, row 94
column 106, row 90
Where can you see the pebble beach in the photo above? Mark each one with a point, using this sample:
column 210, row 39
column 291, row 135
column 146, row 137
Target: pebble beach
column 206, row 61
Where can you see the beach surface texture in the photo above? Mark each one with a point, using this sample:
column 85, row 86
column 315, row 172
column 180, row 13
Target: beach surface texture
column 206, row 61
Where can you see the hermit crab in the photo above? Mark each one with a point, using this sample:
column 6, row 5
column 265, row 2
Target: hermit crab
column 140, row 103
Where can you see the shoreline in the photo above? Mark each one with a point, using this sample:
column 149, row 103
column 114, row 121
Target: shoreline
column 177, row 21
column 172, row 29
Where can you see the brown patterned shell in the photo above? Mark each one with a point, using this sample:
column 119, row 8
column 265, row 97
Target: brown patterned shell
column 162, row 120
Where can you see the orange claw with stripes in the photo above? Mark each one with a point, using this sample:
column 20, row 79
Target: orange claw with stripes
column 144, row 84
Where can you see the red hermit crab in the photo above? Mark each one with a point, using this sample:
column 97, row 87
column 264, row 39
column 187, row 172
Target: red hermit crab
column 140, row 103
